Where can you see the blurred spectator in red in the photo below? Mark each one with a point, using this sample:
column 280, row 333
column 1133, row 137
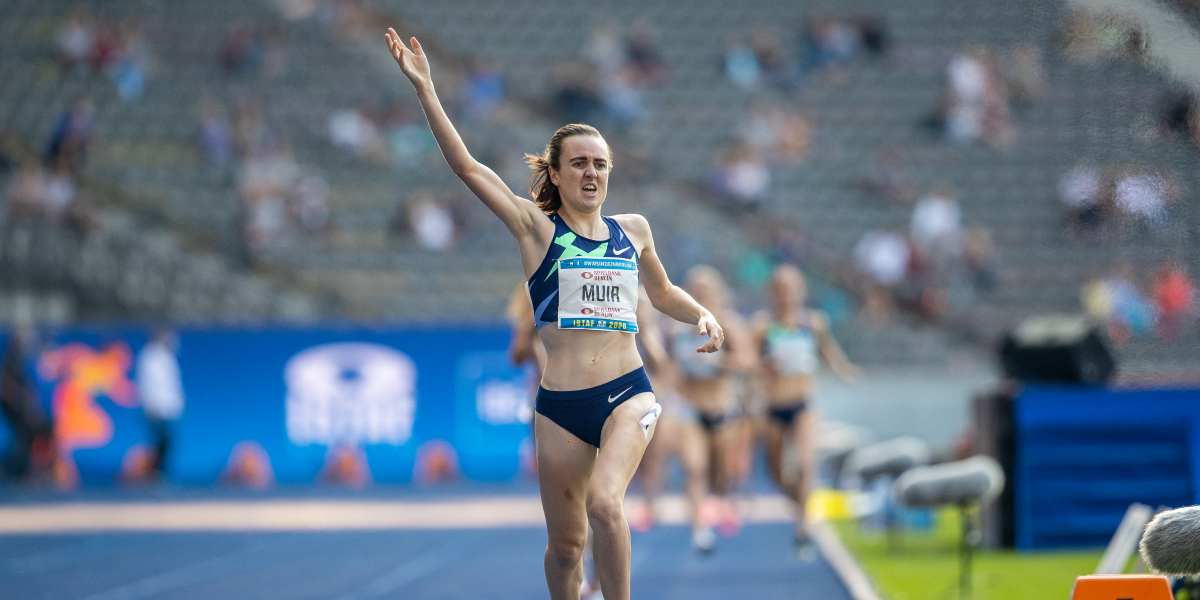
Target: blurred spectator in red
column 1079, row 190
column 73, row 133
column 979, row 259
column 741, row 177
column 937, row 227
column 886, row 177
column 73, row 43
column 1174, row 297
column 355, row 134
column 216, row 134
column 432, row 222
column 106, row 45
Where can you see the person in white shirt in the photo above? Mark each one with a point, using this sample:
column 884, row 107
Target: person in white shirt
column 160, row 390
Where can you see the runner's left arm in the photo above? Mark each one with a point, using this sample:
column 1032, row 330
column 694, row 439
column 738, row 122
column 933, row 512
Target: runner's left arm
column 667, row 297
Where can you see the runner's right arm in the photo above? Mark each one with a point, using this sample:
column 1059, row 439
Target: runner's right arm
column 518, row 214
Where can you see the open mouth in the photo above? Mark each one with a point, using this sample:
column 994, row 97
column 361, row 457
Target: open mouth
column 589, row 188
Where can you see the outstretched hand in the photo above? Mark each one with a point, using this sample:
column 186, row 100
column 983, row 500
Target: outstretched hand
column 716, row 336
column 413, row 62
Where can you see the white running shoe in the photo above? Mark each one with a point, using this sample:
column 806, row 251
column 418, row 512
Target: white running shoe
column 704, row 540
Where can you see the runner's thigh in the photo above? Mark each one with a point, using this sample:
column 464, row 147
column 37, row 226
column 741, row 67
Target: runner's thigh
column 565, row 465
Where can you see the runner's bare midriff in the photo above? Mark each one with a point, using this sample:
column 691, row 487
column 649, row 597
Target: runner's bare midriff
column 579, row 359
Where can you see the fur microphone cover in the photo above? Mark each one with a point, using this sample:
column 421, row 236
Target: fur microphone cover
column 1171, row 543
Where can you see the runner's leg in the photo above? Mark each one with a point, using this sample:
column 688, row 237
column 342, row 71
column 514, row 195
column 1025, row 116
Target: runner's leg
column 564, row 466
column 622, row 443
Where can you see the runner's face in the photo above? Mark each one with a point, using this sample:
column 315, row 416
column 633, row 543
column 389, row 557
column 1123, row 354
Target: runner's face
column 582, row 176
column 788, row 290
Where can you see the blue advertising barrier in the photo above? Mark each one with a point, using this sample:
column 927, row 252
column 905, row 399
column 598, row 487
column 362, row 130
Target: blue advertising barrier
column 392, row 401
column 1083, row 455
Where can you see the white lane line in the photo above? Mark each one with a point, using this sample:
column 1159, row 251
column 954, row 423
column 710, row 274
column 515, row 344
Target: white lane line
column 323, row 515
column 412, row 570
column 843, row 563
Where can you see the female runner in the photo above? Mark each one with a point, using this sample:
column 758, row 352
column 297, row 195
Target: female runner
column 595, row 408
column 707, row 382
column 790, row 337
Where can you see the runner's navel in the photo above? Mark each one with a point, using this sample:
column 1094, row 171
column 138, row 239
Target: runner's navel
column 568, row 495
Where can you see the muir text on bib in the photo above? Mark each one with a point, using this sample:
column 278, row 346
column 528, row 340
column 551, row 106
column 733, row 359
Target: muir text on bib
column 598, row 293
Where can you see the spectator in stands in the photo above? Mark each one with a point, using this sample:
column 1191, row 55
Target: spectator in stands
column 276, row 56
column 741, row 64
column 432, row 222
column 352, row 132
column 160, row 390
column 73, row 44
column 1026, row 75
column 409, row 142
column 241, row 50
column 643, row 58
column 128, row 65
column 968, row 81
column 311, row 206
column 830, row 42
column 251, row 135
column 936, row 226
column 106, row 43
column 1091, row 36
column 873, row 33
column 1131, row 311
column 979, row 259
column 741, row 177
column 782, row 136
column 25, row 191
column 1143, row 196
column 777, row 66
column 1079, row 190
column 887, row 178
column 576, row 97
column 883, row 257
column 483, row 91
column 73, row 133
column 58, row 191
column 216, row 133
column 1174, row 297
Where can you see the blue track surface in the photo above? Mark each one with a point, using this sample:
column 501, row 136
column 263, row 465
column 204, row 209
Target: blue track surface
column 483, row 564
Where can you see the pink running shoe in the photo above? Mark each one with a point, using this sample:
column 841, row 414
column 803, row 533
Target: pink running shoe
column 641, row 518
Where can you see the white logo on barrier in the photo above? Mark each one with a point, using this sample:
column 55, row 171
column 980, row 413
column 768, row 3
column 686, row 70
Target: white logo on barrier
column 354, row 393
column 500, row 402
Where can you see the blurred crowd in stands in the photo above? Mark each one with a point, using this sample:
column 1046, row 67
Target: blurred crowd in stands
column 47, row 187
column 1100, row 198
column 1129, row 303
column 117, row 50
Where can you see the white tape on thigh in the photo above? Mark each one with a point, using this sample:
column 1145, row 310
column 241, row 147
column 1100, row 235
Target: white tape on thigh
column 649, row 418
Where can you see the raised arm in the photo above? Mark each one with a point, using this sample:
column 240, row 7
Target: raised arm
column 668, row 298
column 517, row 213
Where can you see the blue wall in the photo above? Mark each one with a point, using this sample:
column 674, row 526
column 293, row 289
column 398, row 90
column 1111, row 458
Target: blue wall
column 465, row 393
column 1083, row 455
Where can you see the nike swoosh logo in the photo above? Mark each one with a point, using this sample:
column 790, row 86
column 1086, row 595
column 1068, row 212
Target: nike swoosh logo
column 623, row 251
column 612, row 399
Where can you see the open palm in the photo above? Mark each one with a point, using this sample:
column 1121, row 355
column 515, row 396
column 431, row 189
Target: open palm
column 413, row 62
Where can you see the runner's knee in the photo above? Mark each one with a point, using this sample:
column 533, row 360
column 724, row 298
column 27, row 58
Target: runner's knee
column 566, row 551
column 604, row 510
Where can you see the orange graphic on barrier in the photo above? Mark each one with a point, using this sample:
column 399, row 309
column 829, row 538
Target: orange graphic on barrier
column 81, row 375
column 1121, row 587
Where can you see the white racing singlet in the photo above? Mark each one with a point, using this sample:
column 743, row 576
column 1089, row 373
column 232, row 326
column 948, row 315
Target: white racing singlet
column 695, row 365
column 794, row 350
column 598, row 293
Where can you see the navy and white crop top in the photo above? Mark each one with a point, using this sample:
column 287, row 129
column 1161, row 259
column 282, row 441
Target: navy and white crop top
column 544, row 285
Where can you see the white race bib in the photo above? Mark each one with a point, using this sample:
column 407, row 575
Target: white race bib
column 598, row 293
